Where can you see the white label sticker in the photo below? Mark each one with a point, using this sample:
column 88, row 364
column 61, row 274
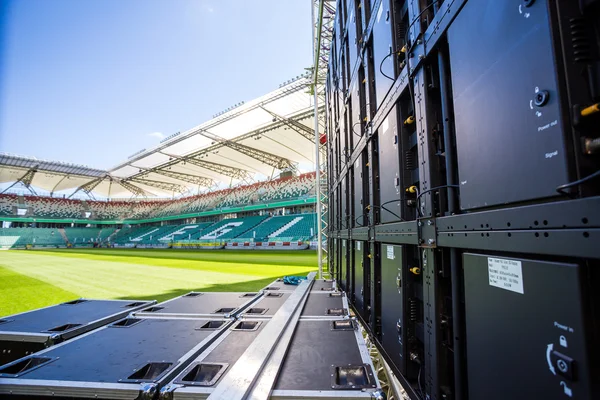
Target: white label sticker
column 390, row 252
column 358, row 245
column 379, row 13
column 505, row 274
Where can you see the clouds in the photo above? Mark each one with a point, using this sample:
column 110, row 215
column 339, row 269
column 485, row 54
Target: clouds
column 157, row 135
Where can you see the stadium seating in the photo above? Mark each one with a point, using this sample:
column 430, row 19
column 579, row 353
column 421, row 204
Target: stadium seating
column 257, row 228
column 302, row 227
column 262, row 231
column 257, row 193
column 7, row 204
column 49, row 207
column 32, row 236
column 231, row 228
column 79, row 236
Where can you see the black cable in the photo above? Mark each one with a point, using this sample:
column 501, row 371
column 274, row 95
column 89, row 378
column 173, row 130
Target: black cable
column 381, row 65
column 390, row 211
column 419, row 381
column 435, row 188
column 561, row 188
column 417, row 18
column 431, row 190
column 353, row 131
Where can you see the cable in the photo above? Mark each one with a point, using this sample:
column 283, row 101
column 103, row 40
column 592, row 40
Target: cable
column 435, row 188
column 431, row 190
column 381, row 65
column 353, row 131
column 561, row 188
column 419, row 381
column 417, row 18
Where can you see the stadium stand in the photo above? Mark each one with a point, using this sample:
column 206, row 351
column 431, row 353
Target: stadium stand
column 80, row 236
column 30, row 236
column 300, row 227
column 232, row 228
column 7, row 204
column 49, row 207
column 262, row 231
column 261, row 192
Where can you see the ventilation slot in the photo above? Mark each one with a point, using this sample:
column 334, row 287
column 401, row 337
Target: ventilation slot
column 149, row 372
column 409, row 161
column 153, row 309
column 327, row 289
column 224, row 310
column 249, row 295
column 212, row 325
column 23, row 366
column 124, row 323
column 72, row 303
column 336, row 294
column 342, row 326
column 63, row 328
column 352, row 377
column 246, row 326
column 136, row 304
column 255, row 310
column 274, row 294
column 579, row 40
column 206, row 374
column 272, row 288
column 193, row 294
column 335, row 311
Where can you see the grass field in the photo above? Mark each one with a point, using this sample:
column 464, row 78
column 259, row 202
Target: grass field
column 38, row 278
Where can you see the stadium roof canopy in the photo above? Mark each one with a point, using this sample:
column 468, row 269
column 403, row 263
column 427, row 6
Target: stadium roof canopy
column 267, row 135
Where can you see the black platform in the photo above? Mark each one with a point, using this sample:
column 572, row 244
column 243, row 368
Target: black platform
column 317, row 352
column 196, row 304
column 32, row 331
column 113, row 359
column 325, row 304
column 208, row 369
column 267, row 305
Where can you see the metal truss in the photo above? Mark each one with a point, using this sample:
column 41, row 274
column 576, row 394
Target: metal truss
column 233, row 172
column 26, row 180
column 262, row 156
column 389, row 383
column 132, row 188
column 171, row 187
column 189, row 178
column 323, row 16
column 88, row 187
column 296, row 126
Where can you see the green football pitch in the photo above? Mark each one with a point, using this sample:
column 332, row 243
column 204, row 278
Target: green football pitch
column 38, row 278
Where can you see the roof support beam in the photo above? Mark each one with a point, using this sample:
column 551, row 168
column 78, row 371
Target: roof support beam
column 262, row 156
column 88, row 187
column 189, row 178
column 132, row 188
column 232, row 172
column 171, row 187
column 296, row 126
column 26, row 180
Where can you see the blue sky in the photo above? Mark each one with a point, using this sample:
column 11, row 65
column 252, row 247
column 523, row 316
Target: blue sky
column 93, row 81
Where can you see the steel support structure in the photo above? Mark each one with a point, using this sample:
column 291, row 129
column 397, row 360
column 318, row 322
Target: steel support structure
column 323, row 13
